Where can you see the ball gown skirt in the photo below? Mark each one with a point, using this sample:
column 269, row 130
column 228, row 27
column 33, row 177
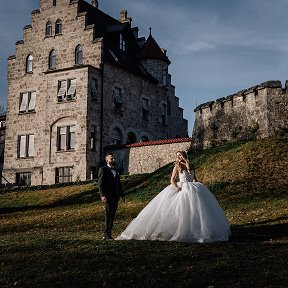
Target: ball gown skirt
column 190, row 215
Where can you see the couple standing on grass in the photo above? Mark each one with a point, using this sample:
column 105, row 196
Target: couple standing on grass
column 183, row 211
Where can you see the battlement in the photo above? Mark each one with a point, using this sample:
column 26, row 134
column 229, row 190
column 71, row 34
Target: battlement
column 257, row 112
column 273, row 84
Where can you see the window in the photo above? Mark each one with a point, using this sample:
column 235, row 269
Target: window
column 118, row 98
column 144, row 139
column 66, row 138
column 116, row 136
column 48, row 31
column 169, row 108
column 94, row 89
column 64, row 174
column 93, row 139
column 52, row 59
column 27, row 102
column 164, row 113
column 164, row 77
column 29, row 64
column 54, row 2
column 145, row 108
column 66, row 90
column 131, row 138
column 23, row 179
column 25, row 146
column 93, row 172
column 78, row 55
column 58, row 27
column 122, row 43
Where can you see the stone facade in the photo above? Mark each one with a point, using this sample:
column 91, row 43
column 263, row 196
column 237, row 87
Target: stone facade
column 257, row 112
column 81, row 80
column 149, row 156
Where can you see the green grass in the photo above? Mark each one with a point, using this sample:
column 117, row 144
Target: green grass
column 50, row 237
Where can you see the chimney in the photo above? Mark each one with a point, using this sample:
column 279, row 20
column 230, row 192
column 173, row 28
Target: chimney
column 124, row 18
column 94, row 3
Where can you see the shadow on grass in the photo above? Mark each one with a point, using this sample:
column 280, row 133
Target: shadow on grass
column 76, row 199
column 258, row 232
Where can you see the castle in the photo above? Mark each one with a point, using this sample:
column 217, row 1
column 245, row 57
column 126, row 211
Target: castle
column 258, row 112
column 81, row 80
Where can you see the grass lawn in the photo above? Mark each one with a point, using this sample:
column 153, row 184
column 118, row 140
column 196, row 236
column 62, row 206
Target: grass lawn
column 51, row 237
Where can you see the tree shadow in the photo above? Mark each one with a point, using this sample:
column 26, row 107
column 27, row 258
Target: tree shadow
column 86, row 197
column 260, row 231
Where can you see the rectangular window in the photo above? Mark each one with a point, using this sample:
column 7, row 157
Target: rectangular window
column 25, row 146
column 94, row 89
column 66, row 138
column 164, row 113
column 93, row 172
column 145, row 108
column 118, row 98
column 63, row 175
column 122, row 43
column 27, row 102
column 93, row 139
column 66, row 90
column 23, row 179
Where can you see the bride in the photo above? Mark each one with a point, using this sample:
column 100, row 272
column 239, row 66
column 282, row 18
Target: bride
column 184, row 211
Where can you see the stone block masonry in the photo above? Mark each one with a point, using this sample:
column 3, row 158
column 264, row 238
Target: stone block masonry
column 258, row 112
column 146, row 157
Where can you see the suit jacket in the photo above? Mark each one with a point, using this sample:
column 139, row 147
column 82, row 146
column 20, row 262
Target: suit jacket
column 109, row 186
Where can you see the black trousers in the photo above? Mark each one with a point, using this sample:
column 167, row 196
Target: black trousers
column 110, row 211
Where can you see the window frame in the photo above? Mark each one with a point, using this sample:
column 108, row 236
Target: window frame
column 79, row 54
column 67, row 174
column 48, row 29
column 52, row 59
column 24, row 147
column 19, row 174
column 29, row 64
column 58, row 27
column 66, row 141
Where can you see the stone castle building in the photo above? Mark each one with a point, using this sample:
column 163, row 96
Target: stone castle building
column 258, row 112
column 81, row 80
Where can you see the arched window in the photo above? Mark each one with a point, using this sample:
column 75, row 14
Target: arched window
column 48, row 31
column 52, row 59
column 78, row 54
column 29, row 63
column 131, row 138
column 144, row 138
column 164, row 78
column 116, row 136
column 58, row 27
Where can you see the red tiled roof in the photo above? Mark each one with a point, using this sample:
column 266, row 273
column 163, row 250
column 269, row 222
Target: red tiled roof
column 151, row 143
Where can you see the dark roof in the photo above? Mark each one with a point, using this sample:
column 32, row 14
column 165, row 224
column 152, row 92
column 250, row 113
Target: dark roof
column 151, row 50
column 110, row 28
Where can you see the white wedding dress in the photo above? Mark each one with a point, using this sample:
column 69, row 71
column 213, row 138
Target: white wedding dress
column 190, row 215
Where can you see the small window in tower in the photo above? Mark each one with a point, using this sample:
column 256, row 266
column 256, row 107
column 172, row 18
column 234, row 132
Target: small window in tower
column 29, row 64
column 78, row 55
column 145, row 108
column 164, row 78
column 58, row 27
column 118, row 98
column 122, row 43
column 94, row 89
column 52, row 59
column 54, row 2
column 48, row 31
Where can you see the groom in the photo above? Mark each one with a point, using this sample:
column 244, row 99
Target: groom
column 111, row 190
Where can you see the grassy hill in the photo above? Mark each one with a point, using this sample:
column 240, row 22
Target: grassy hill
column 50, row 237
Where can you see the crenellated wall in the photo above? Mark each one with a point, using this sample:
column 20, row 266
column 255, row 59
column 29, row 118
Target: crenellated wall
column 257, row 112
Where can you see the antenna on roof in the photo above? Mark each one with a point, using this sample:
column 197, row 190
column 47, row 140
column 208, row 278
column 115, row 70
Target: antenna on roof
column 150, row 31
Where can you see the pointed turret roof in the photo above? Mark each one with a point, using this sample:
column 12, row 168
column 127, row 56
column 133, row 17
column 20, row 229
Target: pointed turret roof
column 151, row 50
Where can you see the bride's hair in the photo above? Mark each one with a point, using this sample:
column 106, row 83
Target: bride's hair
column 177, row 163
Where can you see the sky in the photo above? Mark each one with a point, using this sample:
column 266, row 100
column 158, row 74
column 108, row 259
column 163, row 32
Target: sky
column 216, row 47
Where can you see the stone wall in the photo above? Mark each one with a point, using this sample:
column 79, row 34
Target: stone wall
column 147, row 157
column 257, row 112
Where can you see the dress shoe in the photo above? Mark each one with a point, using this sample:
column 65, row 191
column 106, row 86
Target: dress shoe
column 107, row 238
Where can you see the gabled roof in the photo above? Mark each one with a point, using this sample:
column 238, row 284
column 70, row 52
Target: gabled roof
column 151, row 50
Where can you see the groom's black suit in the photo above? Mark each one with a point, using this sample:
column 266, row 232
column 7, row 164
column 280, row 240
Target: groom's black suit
column 111, row 188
